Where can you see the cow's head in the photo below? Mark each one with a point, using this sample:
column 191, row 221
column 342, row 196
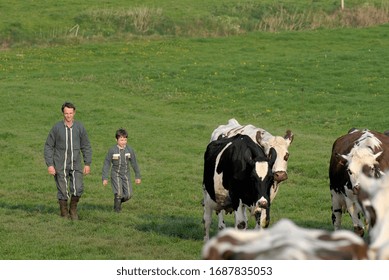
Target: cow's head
column 262, row 178
column 280, row 145
column 360, row 161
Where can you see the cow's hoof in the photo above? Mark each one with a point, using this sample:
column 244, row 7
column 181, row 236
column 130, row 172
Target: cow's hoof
column 241, row 225
column 359, row 231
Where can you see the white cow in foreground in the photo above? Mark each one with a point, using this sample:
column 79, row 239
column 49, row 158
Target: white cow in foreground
column 285, row 241
column 374, row 198
column 266, row 141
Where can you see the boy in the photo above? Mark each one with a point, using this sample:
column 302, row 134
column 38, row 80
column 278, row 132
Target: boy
column 118, row 159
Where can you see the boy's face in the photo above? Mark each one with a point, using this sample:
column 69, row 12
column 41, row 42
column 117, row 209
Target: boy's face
column 122, row 141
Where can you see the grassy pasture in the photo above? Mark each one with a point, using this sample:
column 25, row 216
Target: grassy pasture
column 170, row 93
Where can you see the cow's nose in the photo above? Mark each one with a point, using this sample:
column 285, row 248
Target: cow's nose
column 356, row 189
column 280, row 176
column 262, row 203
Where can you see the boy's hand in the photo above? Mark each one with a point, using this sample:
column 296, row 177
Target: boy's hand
column 105, row 182
column 138, row 181
column 86, row 170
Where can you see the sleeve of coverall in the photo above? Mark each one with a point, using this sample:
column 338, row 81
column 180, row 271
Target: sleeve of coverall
column 86, row 148
column 135, row 165
column 106, row 165
column 49, row 149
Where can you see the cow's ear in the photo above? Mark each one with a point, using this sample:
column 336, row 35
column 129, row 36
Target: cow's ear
column 352, row 130
column 272, row 157
column 341, row 159
column 259, row 137
column 289, row 136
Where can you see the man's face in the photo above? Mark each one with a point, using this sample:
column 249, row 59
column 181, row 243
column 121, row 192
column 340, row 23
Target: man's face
column 68, row 114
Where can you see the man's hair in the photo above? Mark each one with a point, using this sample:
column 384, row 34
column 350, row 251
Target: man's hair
column 121, row 132
column 68, row 105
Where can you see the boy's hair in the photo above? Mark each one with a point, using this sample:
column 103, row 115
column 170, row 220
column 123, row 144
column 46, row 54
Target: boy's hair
column 68, row 105
column 121, row 132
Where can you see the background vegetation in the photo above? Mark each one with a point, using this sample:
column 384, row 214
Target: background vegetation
column 170, row 92
column 57, row 22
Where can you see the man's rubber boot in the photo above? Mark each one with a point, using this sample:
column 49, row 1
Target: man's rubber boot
column 63, row 207
column 73, row 207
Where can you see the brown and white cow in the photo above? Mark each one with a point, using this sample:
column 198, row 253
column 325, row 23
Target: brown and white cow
column 358, row 152
column 266, row 141
column 285, row 241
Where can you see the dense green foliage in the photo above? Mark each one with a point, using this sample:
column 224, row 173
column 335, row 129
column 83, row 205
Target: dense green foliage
column 170, row 93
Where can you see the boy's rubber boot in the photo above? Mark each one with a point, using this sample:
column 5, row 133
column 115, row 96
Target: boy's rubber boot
column 117, row 206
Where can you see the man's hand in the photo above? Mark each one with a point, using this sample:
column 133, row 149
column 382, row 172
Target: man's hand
column 51, row 170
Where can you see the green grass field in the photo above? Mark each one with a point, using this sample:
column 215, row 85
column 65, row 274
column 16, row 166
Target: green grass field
column 170, row 92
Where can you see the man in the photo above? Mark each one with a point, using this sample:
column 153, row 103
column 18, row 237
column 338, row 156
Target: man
column 66, row 141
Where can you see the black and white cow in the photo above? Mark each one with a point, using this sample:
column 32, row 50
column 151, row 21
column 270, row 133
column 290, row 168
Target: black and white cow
column 235, row 170
column 356, row 153
column 266, row 141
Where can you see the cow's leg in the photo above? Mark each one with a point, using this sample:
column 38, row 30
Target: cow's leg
column 207, row 220
column 354, row 211
column 267, row 220
column 244, row 215
column 221, row 223
column 241, row 217
column 262, row 218
column 207, row 215
column 337, row 208
column 274, row 190
column 258, row 219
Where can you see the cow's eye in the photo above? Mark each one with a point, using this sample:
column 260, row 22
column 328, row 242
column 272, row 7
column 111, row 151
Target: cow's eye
column 286, row 157
column 349, row 172
column 368, row 170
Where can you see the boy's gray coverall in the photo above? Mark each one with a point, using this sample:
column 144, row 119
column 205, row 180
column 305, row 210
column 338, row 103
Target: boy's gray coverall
column 120, row 160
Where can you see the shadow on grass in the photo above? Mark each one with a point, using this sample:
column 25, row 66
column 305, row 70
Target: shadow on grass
column 173, row 226
column 39, row 208
column 313, row 224
column 29, row 208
